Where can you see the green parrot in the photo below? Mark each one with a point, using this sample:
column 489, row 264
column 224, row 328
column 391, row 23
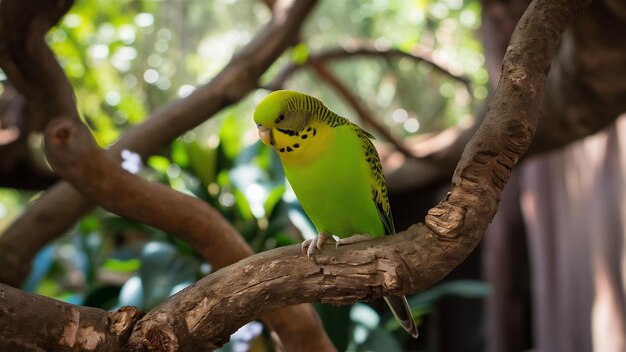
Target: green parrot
column 334, row 171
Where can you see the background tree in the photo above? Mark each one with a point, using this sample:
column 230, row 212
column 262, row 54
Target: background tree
column 406, row 70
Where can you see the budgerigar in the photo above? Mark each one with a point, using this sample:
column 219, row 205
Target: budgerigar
column 334, row 171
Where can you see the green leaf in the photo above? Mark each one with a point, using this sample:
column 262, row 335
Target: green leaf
column 273, row 199
column 202, row 160
column 105, row 297
column 300, row 53
column 164, row 268
column 230, row 136
column 179, row 154
column 241, row 202
column 159, row 163
column 123, row 266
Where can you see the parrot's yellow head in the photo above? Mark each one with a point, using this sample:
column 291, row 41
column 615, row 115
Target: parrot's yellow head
column 286, row 111
column 290, row 122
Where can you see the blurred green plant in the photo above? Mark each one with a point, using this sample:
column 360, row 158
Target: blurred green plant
column 126, row 58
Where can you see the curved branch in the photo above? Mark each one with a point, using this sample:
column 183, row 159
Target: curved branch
column 271, row 279
column 73, row 154
column 361, row 49
column 57, row 210
column 586, row 90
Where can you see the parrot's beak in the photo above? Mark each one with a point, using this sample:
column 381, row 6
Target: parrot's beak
column 266, row 135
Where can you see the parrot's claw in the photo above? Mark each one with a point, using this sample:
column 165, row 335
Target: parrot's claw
column 359, row 237
column 310, row 246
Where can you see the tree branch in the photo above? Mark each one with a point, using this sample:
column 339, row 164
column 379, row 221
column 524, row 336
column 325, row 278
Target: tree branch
column 73, row 154
column 586, row 89
column 29, row 63
column 361, row 49
column 56, row 210
column 282, row 276
column 35, row 323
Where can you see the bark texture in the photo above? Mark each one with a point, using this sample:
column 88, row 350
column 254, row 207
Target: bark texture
column 35, row 323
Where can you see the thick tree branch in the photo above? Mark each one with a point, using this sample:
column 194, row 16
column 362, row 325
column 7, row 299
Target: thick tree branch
column 282, row 276
column 586, row 90
column 56, row 210
column 35, row 323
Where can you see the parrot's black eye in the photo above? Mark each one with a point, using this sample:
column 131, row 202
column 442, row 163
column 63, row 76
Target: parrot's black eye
column 258, row 125
column 280, row 118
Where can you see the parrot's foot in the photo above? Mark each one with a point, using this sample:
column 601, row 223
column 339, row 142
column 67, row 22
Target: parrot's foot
column 309, row 246
column 359, row 237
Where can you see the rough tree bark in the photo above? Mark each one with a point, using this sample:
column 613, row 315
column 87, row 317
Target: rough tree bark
column 401, row 264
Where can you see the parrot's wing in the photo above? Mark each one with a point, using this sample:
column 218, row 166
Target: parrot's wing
column 379, row 184
column 387, row 220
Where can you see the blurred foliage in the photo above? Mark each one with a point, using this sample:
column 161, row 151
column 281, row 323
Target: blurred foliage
column 126, row 58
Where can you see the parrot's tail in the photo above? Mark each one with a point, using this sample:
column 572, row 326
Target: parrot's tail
column 401, row 310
